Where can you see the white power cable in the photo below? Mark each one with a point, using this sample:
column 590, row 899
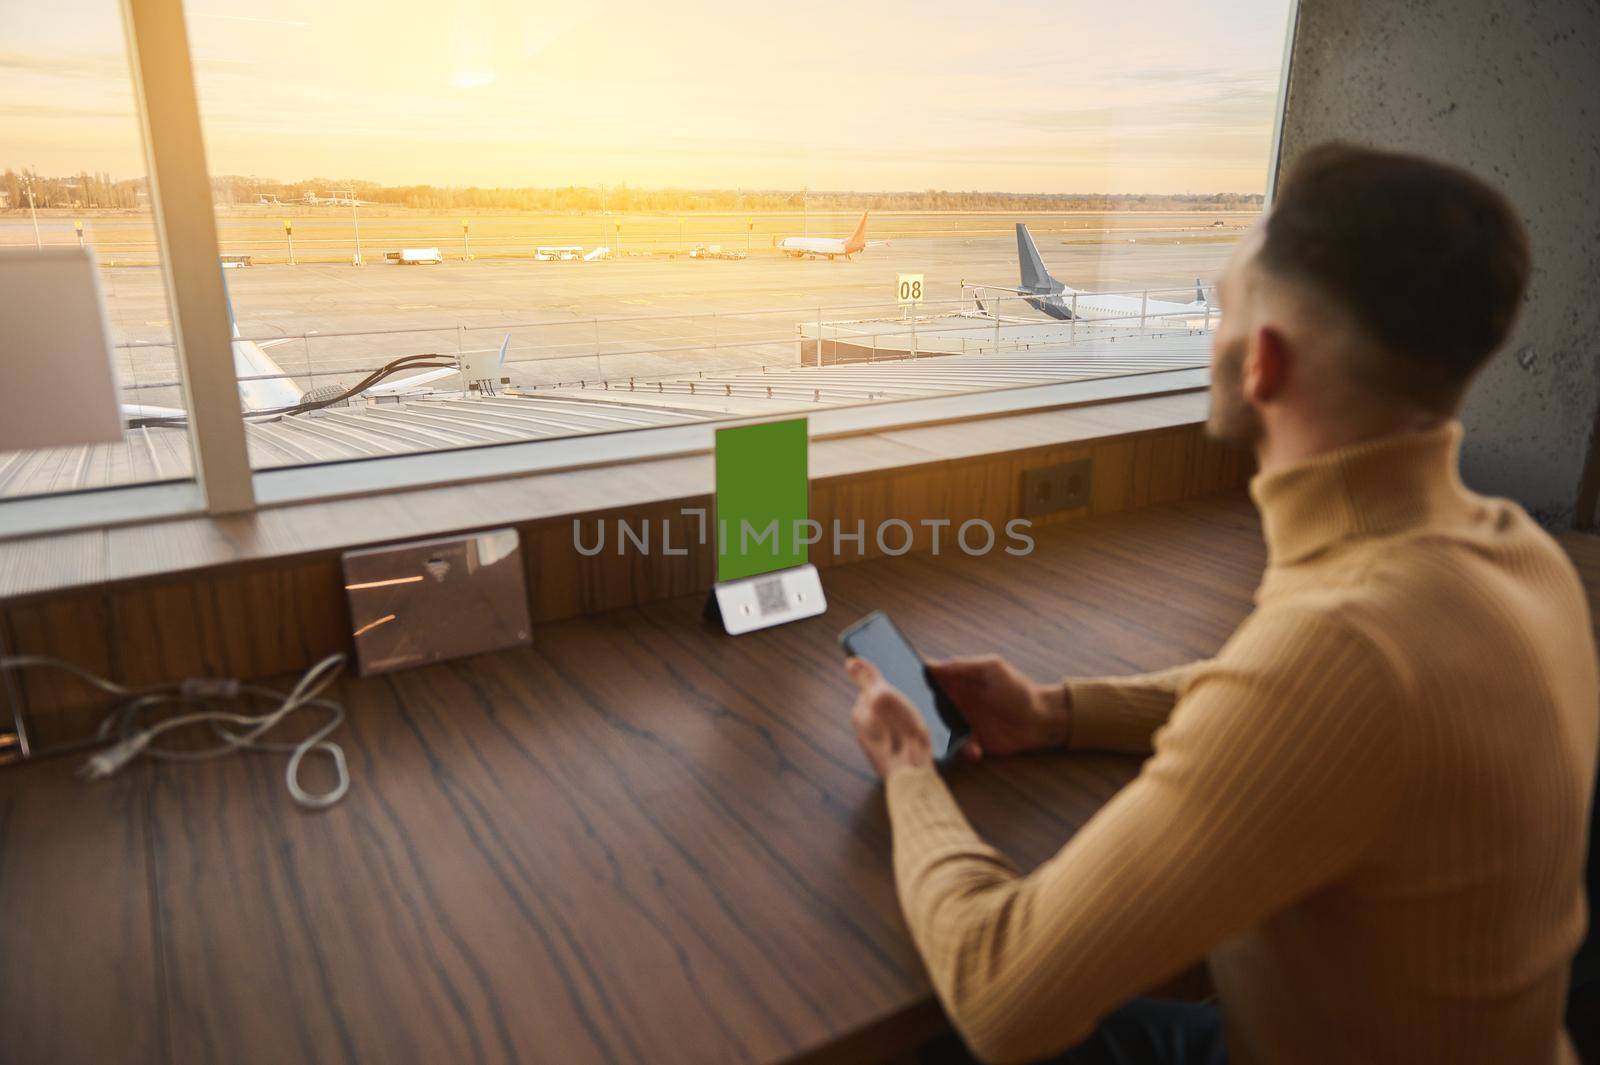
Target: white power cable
column 238, row 731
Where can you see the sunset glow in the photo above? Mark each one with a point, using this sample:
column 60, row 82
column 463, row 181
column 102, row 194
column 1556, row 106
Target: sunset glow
column 1153, row 97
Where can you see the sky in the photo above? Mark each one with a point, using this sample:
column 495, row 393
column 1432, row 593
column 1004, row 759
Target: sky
column 1160, row 96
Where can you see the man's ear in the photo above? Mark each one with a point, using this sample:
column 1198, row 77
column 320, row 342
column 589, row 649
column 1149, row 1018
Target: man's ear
column 1266, row 365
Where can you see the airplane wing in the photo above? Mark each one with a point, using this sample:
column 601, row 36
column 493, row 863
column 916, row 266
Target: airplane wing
column 263, row 385
column 410, row 384
column 473, row 366
column 140, row 411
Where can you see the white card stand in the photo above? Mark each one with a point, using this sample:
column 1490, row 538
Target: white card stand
column 767, row 599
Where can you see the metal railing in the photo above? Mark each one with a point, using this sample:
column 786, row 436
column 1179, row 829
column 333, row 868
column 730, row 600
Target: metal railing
column 612, row 351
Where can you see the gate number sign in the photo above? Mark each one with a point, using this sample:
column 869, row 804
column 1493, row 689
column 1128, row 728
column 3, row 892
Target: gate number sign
column 910, row 288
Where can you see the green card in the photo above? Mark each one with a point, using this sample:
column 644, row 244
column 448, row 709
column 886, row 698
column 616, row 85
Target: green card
column 762, row 498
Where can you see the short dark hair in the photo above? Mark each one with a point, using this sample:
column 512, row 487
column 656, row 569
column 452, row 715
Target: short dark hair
column 1430, row 260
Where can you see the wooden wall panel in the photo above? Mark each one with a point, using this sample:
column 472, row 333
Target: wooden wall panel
column 266, row 619
column 74, row 627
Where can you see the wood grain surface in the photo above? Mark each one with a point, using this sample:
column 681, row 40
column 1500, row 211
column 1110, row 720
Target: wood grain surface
column 260, row 618
column 638, row 840
column 52, row 563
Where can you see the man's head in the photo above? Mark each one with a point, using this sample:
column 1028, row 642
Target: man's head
column 1366, row 299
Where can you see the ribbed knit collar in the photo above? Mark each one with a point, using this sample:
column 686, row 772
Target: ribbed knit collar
column 1379, row 486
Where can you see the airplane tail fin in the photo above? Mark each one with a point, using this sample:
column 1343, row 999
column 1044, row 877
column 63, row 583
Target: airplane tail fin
column 858, row 239
column 1199, row 291
column 1035, row 278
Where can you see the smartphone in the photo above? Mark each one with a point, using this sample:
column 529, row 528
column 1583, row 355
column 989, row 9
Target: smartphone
column 876, row 639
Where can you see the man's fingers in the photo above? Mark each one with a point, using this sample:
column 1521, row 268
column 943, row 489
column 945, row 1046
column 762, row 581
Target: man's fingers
column 972, row 750
column 964, row 670
column 885, row 700
column 864, row 673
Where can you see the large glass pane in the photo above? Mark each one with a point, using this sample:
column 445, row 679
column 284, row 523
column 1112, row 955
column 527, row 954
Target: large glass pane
column 73, row 172
column 496, row 221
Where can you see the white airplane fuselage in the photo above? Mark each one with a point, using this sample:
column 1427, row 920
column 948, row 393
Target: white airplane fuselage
column 827, row 247
column 1096, row 306
column 816, row 247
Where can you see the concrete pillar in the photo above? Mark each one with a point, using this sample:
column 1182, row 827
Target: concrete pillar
column 1510, row 90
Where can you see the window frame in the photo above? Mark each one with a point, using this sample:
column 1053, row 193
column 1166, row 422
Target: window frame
column 224, row 482
column 186, row 230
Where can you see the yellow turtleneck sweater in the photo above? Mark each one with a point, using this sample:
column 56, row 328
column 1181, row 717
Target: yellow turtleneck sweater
column 1368, row 811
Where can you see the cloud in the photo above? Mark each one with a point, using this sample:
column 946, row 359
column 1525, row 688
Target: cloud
column 77, row 66
column 56, row 112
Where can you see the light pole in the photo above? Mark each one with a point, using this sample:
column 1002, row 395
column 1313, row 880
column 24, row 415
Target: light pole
column 466, row 240
column 34, row 214
column 288, row 234
column 356, row 221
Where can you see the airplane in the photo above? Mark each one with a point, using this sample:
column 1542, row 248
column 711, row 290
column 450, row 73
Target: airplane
column 409, row 385
column 314, row 200
column 829, row 247
column 1046, row 294
column 274, row 390
column 264, row 386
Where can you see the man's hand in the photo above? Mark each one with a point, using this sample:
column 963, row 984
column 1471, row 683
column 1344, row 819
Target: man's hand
column 1008, row 712
column 888, row 727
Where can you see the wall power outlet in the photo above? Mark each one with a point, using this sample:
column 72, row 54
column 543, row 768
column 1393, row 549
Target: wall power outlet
column 1048, row 489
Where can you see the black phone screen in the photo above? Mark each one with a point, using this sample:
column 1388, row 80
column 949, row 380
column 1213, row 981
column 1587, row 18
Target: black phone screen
column 876, row 639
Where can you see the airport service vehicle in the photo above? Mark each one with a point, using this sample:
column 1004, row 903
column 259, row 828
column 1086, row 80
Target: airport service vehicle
column 1045, row 293
column 235, row 262
column 714, row 251
column 828, row 247
column 415, row 256
column 558, row 253
column 597, row 254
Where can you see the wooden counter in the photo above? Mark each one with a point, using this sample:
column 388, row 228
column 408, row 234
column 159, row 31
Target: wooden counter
column 640, row 840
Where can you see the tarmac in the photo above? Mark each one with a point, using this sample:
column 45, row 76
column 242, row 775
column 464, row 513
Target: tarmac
column 635, row 317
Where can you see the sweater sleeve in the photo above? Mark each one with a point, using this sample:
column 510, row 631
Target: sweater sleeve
column 1123, row 713
column 1270, row 779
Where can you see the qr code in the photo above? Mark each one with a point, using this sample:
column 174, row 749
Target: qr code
column 769, row 596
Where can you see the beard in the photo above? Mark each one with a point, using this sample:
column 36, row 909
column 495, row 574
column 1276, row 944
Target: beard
column 1232, row 419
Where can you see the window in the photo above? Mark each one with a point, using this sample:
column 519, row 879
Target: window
column 452, row 228
column 72, row 172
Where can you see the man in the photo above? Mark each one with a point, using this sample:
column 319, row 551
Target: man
column 1369, row 811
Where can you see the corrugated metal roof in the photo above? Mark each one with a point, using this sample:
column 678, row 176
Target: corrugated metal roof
column 451, row 420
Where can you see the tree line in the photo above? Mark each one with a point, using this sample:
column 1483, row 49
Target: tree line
column 99, row 190
column 625, row 198
column 82, row 189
